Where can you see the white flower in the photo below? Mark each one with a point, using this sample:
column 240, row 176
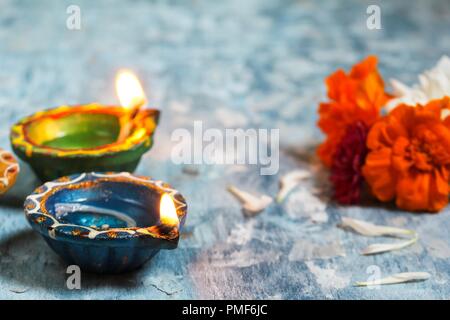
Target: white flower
column 433, row 84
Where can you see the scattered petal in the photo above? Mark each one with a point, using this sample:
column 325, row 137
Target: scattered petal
column 290, row 181
column 19, row 291
column 385, row 247
column 397, row 278
column 371, row 230
column 250, row 203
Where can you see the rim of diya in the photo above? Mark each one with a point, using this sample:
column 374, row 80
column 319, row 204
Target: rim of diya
column 9, row 169
column 144, row 123
column 48, row 224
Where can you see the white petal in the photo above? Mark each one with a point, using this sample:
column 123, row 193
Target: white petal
column 371, row 230
column 400, row 89
column 433, row 84
column 250, row 203
column 289, row 181
column 385, row 247
column 397, row 278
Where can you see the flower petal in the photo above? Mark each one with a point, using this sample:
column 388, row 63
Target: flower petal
column 439, row 190
column 377, row 172
column 413, row 191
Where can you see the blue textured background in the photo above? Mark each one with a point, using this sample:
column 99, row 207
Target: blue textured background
column 251, row 63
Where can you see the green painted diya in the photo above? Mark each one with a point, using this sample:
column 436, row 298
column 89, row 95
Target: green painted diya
column 83, row 138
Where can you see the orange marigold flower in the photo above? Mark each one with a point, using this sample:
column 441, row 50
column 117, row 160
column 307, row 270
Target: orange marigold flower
column 357, row 96
column 409, row 157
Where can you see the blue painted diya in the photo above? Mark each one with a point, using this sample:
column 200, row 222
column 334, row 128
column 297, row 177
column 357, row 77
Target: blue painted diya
column 105, row 222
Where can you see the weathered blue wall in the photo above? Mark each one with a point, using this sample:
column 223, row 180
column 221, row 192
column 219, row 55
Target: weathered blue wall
column 251, row 63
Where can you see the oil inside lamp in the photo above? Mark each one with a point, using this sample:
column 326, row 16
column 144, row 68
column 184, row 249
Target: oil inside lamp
column 131, row 96
column 167, row 212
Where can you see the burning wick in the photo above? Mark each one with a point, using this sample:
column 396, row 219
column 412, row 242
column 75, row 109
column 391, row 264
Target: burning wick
column 167, row 212
column 131, row 96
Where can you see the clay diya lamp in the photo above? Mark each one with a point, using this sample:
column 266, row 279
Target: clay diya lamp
column 107, row 222
column 9, row 169
column 83, row 138
column 67, row 140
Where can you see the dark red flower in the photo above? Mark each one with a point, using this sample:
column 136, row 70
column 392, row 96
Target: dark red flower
column 347, row 162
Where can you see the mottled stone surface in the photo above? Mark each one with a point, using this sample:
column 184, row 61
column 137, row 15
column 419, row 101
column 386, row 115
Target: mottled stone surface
column 252, row 63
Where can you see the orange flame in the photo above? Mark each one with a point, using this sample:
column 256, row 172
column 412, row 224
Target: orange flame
column 129, row 89
column 168, row 212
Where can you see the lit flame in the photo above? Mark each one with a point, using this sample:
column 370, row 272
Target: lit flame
column 129, row 89
column 167, row 211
